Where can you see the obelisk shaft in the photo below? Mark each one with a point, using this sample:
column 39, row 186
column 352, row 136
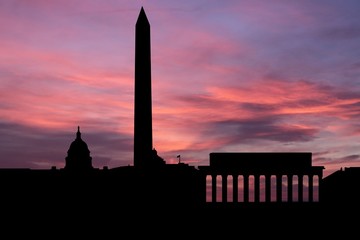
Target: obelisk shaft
column 143, row 141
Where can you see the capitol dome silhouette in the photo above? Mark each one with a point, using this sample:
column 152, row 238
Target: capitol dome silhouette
column 78, row 155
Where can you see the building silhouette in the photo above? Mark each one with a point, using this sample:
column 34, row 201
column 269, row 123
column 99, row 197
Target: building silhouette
column 281, row 166
column 269, row 180
column 342, row 187
column 78, row 158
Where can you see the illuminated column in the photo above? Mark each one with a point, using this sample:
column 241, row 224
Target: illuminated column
column 311, row 188
column 290, row 187
column 300, row 190
column 246, row 188
column 204, row 183
column 267, row 188
column 319, row 186
column 278, row 188
column 213, row 185
column 235, row 188
column 224, row 187
column 256, row 188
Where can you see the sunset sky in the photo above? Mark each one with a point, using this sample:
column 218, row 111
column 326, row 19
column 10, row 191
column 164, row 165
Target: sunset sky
column 229, row 75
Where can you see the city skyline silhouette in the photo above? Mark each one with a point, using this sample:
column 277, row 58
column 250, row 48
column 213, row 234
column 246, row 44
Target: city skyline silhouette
column 152, row 184
column 198, row 66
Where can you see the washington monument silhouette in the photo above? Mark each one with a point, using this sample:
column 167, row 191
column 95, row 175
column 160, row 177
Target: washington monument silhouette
column 143, row 139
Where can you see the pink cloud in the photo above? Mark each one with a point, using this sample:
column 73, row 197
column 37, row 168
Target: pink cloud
column 275, row 110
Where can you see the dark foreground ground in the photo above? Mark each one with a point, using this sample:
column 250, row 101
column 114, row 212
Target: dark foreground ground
column 50, row 205
column 270, row 221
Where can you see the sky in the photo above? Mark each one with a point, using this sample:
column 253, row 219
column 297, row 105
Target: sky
column 227, row 76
